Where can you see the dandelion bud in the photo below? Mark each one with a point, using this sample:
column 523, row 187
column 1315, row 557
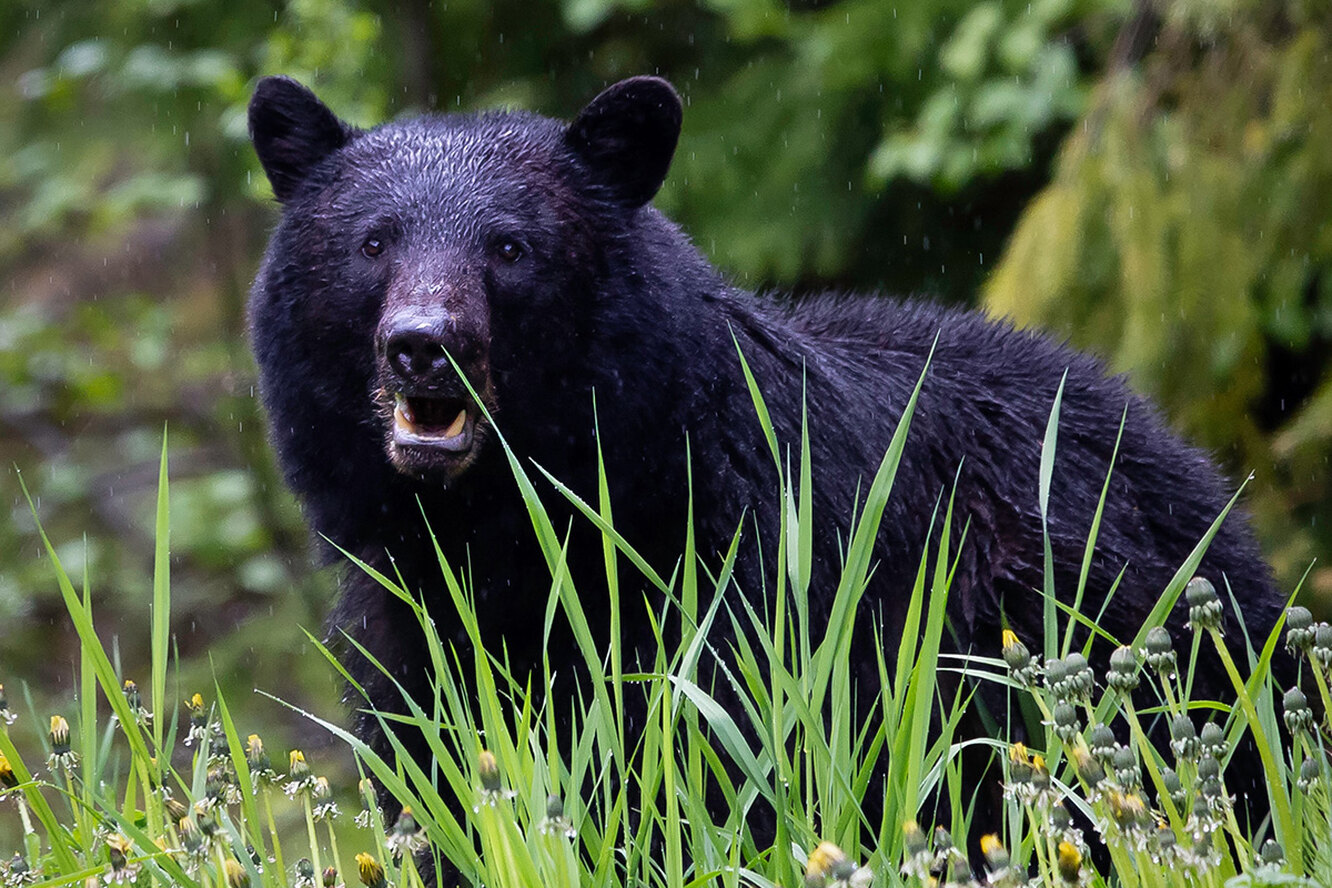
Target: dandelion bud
column 1022, row 666
column 1205, row 610
column 305, row 871
column 1019, row 764
column 1040, row 774
column 1164, row 838
column 489, row 770
column 1066, row 722
column 1125, row 765
column 132, row 695
column 18, row 869
column 1208, row 767
column 298, row 769
column 1299, row 717
column 1081, row 679
column 1060, row 818
column 320, row 789
column 8, row 779
column 118, row 850
column 996, row 856
column 1128, row 809
column 1183, row 738
column 1213, row 740
column 913, row 839
column 1070, row 863
column 1055, row 674
column 1310, row 771
column 59, row 735
column 1123, row 674
column 370, row 871
column 1211, row 793
column 1322, row 645
column 237, row 877
column 5, row 714
column 330, row 879
column 1299, row 629
column 195, row 705
column 191, row 836
column 1174, row 787
column 1160, row 651
column 255, row 756
column 1271, row 854
column 1101, row 742
column 175, row 809
column 1089, row 769
column 822, row 860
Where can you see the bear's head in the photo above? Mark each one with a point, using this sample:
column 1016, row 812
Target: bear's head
column 426, row 252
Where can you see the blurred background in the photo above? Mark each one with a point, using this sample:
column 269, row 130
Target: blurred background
column 1151, row 180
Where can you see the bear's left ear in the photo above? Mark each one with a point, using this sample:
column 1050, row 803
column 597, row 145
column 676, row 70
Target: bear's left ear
column 292, row 131
column 627, row 135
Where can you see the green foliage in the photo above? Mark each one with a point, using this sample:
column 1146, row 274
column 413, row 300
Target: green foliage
column 1185, row 237
column 524, row 789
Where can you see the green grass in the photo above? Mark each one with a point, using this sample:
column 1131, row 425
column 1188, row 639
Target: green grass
column 523, row 789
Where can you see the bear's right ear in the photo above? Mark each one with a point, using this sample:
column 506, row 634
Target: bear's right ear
column 627, row 135
column 292, row 131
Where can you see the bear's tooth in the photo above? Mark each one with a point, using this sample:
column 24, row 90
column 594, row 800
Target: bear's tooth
column 456, row 427
column 402, row 409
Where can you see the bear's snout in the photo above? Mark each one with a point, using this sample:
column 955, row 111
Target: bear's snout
column 416, row 346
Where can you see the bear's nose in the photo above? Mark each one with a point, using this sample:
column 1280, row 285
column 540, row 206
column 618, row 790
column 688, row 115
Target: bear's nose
column 414, row 349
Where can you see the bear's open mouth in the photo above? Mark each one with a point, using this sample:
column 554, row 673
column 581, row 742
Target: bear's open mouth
column 421, row 421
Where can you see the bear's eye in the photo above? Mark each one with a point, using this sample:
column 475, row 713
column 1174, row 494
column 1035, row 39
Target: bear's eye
column 509, row 251
column 372, row 247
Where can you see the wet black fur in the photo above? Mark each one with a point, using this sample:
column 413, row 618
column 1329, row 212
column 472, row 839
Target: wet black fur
column 611, row 297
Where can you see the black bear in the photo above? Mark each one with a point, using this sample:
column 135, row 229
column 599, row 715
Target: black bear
column 527, row 250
